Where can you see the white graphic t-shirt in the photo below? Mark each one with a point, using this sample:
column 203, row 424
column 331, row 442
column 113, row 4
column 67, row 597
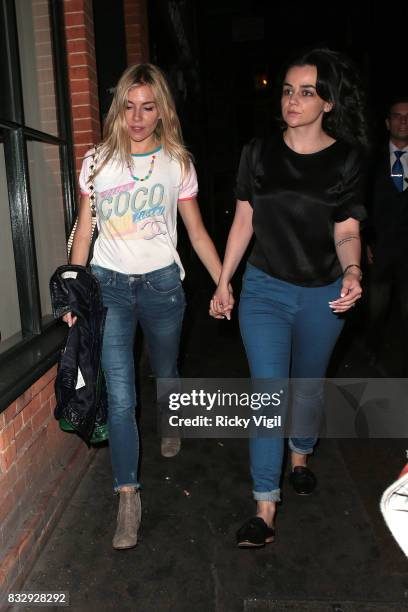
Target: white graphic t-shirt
column 137, row 219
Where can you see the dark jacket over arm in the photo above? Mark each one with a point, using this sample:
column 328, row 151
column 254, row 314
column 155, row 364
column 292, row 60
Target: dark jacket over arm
column 79, row 388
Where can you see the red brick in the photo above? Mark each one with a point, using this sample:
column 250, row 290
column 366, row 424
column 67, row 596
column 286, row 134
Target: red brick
column 84, row 138
column 133, row 41
column 31, row 409
column 76, row 32
column 7, row 481
column 78, row 45
column 54, row 454
column 79, row 73
column 134, row 27
column 52, row 372
column 18, row 421
column 81, row 98
column 133, row 36
column 41, row 418
column 24, row 399
column 82, row 112
column 74, row 19
column 80, row 151
column 73, row 5
column 88, row 86
column 82, row 58
column 79, row 86
column 82, row 125
column 47, row 392
column 7, row 457
column 53, row 402
column 131, row 14
column 38, row 386
column 131, row 6
column 23, row 437
column 6, row 436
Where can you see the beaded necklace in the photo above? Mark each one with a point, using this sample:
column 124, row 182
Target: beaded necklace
column 149, row 174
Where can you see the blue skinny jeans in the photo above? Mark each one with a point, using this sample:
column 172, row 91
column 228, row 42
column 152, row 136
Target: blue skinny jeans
column 288, row 331
column 156, row 301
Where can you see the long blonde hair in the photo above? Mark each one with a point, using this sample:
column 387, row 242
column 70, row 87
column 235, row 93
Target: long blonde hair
column 116, row 139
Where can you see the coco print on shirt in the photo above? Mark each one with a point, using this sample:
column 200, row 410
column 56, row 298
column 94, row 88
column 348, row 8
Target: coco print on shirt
column 132, row 214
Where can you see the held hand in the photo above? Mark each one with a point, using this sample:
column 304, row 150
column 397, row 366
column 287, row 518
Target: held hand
column 222, row 303
column 350, row 292
column 69, row 319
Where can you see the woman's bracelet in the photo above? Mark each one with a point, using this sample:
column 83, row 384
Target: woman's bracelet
column 353, row 266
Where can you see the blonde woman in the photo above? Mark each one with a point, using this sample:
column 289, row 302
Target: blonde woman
column 144, row 175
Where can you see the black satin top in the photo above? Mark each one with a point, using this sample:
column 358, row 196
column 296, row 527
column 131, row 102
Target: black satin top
column 296, row 200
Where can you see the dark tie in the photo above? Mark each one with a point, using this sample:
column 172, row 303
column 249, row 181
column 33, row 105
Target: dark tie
column 397, row 171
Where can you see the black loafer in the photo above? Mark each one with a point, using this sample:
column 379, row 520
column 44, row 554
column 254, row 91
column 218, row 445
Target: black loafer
column 303, row 480
column 255, row 533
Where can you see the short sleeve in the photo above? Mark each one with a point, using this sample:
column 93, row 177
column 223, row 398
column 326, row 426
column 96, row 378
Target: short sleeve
column 243, row 184
column 84, row 174
column 353, row 194
column 189, row 185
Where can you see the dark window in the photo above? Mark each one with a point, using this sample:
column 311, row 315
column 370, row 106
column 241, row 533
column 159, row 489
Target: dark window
column 36, row 186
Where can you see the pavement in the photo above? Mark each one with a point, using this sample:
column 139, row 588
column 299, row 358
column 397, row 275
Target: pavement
column 333, row 552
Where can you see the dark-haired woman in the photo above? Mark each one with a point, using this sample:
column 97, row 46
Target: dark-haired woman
column 301, row 193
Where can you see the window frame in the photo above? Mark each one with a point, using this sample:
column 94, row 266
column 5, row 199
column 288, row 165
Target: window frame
column 30, row 353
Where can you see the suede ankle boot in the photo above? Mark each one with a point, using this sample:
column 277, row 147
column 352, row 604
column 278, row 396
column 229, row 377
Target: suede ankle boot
column 129, row 515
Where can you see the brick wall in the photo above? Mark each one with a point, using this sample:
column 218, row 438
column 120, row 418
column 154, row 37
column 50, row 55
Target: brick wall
column 80, row 40
column 83, row 80
column 39, row 469
column 40, row 466
column 136, row 29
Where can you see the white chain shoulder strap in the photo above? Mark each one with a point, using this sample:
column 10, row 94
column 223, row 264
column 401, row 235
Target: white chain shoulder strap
column 92, row 203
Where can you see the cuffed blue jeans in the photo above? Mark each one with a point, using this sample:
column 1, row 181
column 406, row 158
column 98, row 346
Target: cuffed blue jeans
column 287, row 330
column 156, row 301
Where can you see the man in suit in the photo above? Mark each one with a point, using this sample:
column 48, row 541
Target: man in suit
column 387, row 250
